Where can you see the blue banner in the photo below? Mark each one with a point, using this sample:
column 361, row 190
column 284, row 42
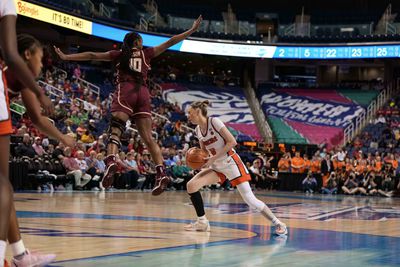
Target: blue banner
column 308, row 110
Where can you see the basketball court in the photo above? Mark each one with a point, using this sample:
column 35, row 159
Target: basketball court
column 138, row 229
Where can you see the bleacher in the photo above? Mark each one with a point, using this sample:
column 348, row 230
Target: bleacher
column 284, row 133
column 300, row 119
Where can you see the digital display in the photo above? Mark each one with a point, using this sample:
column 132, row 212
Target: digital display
column 210, row 47
column 337, row 52
column 53, row 17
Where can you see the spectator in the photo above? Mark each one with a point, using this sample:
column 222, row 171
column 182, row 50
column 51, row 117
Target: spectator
column 39, row 150
column 25, row 148
column 309, row 183
column 77, row 72
column 259, row 180
column 297, row 163
column 326, row 169
column 73, row 168
column 87, row 138
column 331, row 185
column 284, row 163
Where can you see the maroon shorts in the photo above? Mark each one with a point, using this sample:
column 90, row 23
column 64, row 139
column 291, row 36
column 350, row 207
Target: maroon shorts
column 135, row 103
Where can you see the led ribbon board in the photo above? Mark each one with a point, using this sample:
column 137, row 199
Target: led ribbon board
column 209, row 47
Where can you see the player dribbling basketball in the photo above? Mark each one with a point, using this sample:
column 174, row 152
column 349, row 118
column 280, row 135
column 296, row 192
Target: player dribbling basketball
column 223, row 164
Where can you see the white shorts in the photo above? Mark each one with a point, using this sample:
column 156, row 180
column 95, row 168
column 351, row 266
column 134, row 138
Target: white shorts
column 232, row 169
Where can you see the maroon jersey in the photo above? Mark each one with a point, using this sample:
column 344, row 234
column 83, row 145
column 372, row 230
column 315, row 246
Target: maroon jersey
column 131, row 98
column 139, row 62
column 13, row 84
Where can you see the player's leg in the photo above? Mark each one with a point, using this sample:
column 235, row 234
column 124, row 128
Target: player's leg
column 205, row 177
column 115, row 130
column 5, row 195
column 144, row 126
column 256, row 204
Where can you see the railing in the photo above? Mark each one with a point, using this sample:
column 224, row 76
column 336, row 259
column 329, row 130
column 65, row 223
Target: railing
column 65, row 74
column 86, row 105
column 143, row 24
column 92, row 87
column 91, row 6
column 153, row 8
column 104, row 11
column 258, row 114
column 187, row 128
column 244, row 27
column 20, row 110
column 290, row 30
column 51, row 89
column 17, row 108
column 360, row 122
column 136, row 131
column 390, row 28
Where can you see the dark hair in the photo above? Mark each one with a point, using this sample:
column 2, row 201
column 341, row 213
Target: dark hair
column 129, row 43
column 202, row 105
column 27, row 42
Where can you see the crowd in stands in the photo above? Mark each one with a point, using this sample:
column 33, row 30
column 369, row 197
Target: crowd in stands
column 369, row 165
column 84, row 115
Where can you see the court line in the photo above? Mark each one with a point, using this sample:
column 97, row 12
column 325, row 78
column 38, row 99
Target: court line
column 256, row 229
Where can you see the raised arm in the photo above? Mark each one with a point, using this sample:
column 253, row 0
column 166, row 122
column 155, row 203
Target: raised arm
column 85, row 56
column 177, row 38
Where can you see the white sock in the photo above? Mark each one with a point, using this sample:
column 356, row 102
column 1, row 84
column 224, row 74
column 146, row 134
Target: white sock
column 3, row 245
column 18, row 248
column 202, row 218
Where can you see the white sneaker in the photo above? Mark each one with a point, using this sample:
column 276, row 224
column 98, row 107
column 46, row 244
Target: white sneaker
column 199, row 226
column 281, row 229
column 178, row 180
column 96, row 178
column 33, row 260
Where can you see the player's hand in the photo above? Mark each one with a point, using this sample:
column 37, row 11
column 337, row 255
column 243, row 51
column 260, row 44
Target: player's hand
column 60, row 53
column 196, row 24
column 46, row 104
column 68, row 140
column 210, row 161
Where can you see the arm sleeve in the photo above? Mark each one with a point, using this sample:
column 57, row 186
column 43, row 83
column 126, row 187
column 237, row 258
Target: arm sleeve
column 7, row 7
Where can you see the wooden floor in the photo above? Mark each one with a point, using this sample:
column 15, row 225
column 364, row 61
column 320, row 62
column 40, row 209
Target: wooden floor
column 137, row 229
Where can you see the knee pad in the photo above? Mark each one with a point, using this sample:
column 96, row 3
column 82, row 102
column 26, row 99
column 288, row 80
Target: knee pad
column 119, row 124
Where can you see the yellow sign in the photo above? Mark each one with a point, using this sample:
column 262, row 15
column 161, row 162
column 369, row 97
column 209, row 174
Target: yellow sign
column 52, row 16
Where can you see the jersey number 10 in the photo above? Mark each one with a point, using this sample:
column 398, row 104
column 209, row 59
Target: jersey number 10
column 135, row 64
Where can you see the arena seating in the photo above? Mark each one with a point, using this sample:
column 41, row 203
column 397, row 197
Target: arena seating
column 309, row 126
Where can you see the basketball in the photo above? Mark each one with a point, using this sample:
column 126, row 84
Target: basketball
column 195, row 158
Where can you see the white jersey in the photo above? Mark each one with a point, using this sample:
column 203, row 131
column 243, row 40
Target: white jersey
column 228, row 166
column 7, row 7
column 212, row 139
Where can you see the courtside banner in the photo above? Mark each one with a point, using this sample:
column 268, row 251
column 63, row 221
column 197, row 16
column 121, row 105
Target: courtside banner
column 309, row 110
column 53, row 17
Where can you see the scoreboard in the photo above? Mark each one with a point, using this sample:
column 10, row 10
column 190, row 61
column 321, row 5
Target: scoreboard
column 339, row 52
